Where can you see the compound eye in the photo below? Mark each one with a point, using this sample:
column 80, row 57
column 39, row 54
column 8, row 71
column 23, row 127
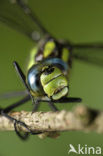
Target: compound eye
column 33, row 80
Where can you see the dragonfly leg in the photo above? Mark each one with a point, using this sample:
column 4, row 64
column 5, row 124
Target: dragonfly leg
column 68, row 100
column 36, row 105
column 63, row 100
column 52, row 106
column 73, row 100
column 23, row 78
column 22, row 135
column 17, row 104
column 3, row 112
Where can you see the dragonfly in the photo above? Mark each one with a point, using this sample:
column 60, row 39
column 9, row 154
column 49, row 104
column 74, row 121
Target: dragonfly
column 47, row 74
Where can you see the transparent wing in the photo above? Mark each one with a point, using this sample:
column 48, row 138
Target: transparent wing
column 13, row 94
column 16, row 14
column 92, row 53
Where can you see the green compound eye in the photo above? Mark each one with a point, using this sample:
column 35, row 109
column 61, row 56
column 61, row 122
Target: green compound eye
column 54, row 83
column 49, row 47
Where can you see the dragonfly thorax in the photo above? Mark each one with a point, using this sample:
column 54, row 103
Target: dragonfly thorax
column 52, row 48
column 48, row 78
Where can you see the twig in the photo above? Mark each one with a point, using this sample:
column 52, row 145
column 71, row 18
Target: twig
column 81, row 118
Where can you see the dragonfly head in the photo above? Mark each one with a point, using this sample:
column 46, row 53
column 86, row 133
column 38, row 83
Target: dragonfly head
column 48, row 78
column 54, row 83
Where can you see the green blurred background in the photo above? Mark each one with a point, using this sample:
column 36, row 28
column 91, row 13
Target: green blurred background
column 77, row 21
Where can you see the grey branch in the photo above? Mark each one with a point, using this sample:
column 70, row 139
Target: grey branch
column 81, row 118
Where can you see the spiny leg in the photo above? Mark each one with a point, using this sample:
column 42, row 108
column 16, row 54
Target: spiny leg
column 23, row 78
column 16, row 122
column 63, row 100
column 68, row 100
column 52, row 106
column 11, row 107
column 24, row 135
column 17, row 104
column 36, row 105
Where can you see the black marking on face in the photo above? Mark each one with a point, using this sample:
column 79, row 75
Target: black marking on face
column 48, row 70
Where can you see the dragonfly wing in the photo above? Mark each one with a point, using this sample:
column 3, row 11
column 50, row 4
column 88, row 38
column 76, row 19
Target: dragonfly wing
column 13, row 94
column 92, row 53
column 18, row 15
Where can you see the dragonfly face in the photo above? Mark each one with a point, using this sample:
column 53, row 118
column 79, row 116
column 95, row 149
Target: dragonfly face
column 48, row 78
column 54, row 83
